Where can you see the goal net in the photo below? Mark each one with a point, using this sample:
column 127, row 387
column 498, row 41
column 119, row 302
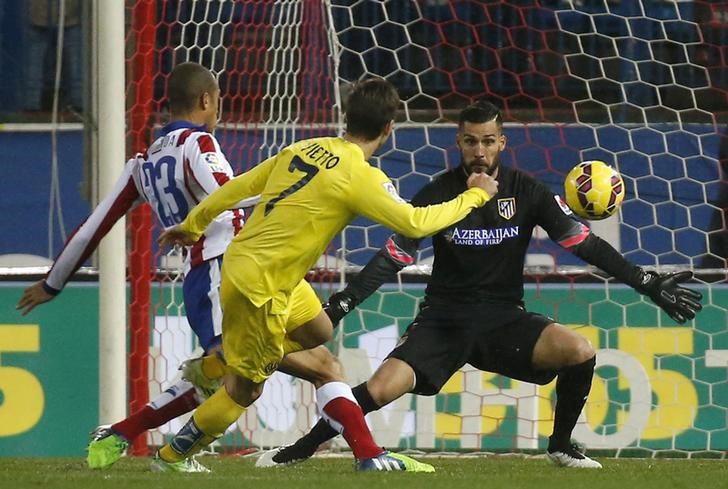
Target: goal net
column 641, row 85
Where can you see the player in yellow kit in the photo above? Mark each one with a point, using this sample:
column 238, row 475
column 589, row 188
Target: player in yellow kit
column 309, row 192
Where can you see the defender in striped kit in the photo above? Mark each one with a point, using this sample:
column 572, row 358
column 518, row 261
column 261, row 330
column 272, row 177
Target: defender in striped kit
column 174, row 174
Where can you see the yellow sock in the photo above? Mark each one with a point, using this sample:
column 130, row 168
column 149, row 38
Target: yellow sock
column 209, row 422
column 213, row 366
column 217, row 413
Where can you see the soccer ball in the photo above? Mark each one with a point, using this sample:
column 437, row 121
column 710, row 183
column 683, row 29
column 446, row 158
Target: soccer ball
column 594, row 190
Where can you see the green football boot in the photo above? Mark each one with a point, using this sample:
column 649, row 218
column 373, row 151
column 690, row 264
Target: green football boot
column 105, row 448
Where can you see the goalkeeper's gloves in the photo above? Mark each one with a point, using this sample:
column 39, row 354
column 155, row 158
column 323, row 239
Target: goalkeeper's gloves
column 680, row 303
column 339, row 305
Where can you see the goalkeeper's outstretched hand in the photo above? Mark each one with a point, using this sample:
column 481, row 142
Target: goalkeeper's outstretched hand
column 680, row 303
column 338, row 306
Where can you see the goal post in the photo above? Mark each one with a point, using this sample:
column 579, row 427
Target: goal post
column 108, row 150
column 141, row 74
column 640, row 85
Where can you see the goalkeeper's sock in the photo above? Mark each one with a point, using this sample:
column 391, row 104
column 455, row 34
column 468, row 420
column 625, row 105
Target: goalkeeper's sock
column 572, row 389
column 341, row 410
column 209, row 422
column 364, row 398
column 173, row 402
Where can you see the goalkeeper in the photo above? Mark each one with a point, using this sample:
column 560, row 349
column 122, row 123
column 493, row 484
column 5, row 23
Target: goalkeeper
column 473, row 309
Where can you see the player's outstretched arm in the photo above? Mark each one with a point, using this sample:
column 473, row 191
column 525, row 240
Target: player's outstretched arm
column 33, row 296
column 375, row 197
column 680, row 303
column 83, row 241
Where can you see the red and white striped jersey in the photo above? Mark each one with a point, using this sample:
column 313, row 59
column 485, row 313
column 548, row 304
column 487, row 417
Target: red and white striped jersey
column 182, row 167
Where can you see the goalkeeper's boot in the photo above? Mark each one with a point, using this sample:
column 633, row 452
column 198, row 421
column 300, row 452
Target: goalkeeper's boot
column 188, row 465
column 288, row 455
column 105, row 448
column 573, row 458
column 389, row 461
column 192, row 372
column 267, row 459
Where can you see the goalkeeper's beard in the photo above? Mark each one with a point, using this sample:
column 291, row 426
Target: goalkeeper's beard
column 473, row 167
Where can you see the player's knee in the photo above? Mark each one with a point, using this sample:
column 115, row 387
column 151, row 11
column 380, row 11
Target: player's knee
column 314, row 333
column 322, row 335
column 241, row 390
column 383, row 392
column 392, row 380
column 566, row 347
column 335, row 368
column 330, row 369
column 378, row 394
column 580, row 351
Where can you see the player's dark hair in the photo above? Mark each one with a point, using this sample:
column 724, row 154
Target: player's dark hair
column 187, row 83
column 479, row 112
column 370, row 106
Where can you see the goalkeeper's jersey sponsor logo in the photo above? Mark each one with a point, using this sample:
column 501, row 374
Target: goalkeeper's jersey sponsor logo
column 481, row 237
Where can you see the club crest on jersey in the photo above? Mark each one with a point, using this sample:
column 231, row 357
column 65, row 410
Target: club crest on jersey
column 270, row 368
column 389, row 187
column 507, row 207
column 565, row 208
column 212, row 160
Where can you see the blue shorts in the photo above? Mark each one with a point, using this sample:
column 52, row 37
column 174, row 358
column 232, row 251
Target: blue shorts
column 201, row 292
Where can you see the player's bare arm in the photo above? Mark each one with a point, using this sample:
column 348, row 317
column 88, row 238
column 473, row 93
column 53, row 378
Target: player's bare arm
column 33, row 296
column 484, row 181
column 176, row 236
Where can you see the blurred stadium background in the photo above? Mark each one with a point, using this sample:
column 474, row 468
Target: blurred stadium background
column 642, row 85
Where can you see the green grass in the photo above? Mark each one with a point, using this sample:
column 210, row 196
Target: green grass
column 338, row 473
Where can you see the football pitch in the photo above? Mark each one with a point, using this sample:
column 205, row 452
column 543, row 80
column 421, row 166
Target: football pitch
column 338, row 473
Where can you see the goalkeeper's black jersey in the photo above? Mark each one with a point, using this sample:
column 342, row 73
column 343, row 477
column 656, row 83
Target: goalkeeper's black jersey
column 481, row 258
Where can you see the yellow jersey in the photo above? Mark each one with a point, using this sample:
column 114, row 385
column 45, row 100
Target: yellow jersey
column 309, row 192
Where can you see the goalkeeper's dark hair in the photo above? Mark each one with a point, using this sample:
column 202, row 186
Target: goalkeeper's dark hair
column 187, row 83
column 479, row 112
column 371, row 105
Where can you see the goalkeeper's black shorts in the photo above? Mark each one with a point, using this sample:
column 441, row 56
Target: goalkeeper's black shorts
column 497, row 338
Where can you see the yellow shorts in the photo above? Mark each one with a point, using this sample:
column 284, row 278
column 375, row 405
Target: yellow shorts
column 254, row 340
